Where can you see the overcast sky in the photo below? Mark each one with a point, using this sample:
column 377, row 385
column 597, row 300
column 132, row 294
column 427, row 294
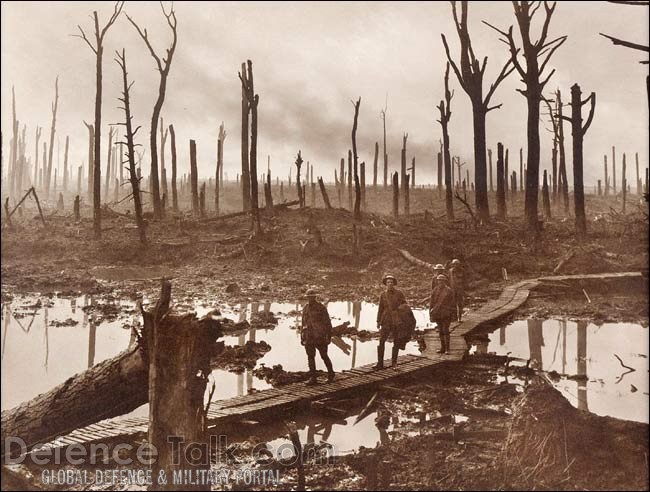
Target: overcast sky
column 310, row 60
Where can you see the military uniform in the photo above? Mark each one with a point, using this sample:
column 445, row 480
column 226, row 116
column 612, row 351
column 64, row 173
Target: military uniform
column 316, row 334
column 442, row 310
column 456, row 282
column 395, row 319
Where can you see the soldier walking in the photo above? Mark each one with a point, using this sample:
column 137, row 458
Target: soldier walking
column 457, row 284
column 316, row 334
column 388, row 318
column 442, row 310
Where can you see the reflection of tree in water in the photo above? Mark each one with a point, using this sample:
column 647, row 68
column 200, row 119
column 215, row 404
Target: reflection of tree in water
column 535, row 343
column 582, row 366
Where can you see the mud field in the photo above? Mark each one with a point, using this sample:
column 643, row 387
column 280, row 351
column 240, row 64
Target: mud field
column 489, row 421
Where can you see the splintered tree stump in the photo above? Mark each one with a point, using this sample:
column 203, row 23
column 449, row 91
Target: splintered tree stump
column 179, row 349
column 77, row 214
column 395, row 194
column 323, row 192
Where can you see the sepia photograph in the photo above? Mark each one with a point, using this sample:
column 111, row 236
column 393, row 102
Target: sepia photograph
column 348, row 245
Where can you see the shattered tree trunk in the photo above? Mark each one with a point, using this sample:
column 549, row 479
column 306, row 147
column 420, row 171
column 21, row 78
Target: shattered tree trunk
column 48, row 174
column 395, row 194
column 614, row 169
column 439, row 174
column 245, row 172
column 501, row 192
column 173, row 150
column 563, row 175
column 638, row 180
column 445, row 115
column 363, row 185
column 268, row 196
column 546, row 199
column 179, row 348
column 66, row 176
column 323, row 192
column 350, row 201
column 624, row 182
column 357, row 185
column 606, row 177
column 578, row 131
column 490, row 161
column 402, row 174
column 134, row 178
column 194, row 179
column 374, row 168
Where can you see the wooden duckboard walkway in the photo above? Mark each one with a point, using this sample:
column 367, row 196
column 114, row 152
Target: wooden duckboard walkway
column 292, row 397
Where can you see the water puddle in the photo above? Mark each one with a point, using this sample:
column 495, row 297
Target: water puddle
column 45, row 340
column 589, row 355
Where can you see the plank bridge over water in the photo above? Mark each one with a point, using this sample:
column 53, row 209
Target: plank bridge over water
column 292, row 397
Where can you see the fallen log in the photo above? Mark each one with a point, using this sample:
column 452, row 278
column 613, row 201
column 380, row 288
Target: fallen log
column 279, row 206
column 109, row 389
column 409, row 257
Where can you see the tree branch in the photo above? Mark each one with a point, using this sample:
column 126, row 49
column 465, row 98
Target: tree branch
column 627, row 44
column 592, row 97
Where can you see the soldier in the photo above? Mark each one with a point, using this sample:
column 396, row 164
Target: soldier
column 456, row 283
column 388, row 318
column 316, row 334
column 442, row 310
column 437, row 270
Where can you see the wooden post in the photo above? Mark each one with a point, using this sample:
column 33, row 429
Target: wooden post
column 194, row 179
column 395, row 194
column 323, row 192
column 501, row 192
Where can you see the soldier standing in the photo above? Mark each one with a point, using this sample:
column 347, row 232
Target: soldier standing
column 316, row 334
column 456, row 282
column 437, row 270
column 388, row 318
column 442, row 310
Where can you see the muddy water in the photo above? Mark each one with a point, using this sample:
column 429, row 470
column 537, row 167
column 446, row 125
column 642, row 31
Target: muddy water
column 590, row 351
column 47, row 340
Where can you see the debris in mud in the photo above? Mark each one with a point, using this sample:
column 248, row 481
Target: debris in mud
column 233, row 289
column 263, row 319
column 277, row 376
column 238, row 359
column 67, row 322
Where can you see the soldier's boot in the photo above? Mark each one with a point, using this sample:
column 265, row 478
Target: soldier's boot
column 442, row 345
column 394, row 355
column 380, row 356
column 312, row 372
column 312, row 380
column 330, row 370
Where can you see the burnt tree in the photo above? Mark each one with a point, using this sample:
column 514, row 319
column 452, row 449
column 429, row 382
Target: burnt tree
column 219, row 171
column 383, row 119
column 323, row 192
column 173, row 150
column 578, row 131
column 357, row 185
column 402, row 175
column 445, row 115
column 130, row 133
column 163, row 65
column 253, row 100
column 163, row 170
column 395, row 194
column 245, row 168
column 299, row 187
column 98, row 49
column 501, row 191
column 194, row 179
column 470, row 76
column 55, row 105
column 374, row 167
column 536, row 55
column 546, row 199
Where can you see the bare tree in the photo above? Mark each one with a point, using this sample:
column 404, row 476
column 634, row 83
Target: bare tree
column 98, row 49
column 537, row 55
column 173, row 149
column 130, row 147
column 163, row 170
column 578, row 131
column 470, row 76
column 357, row 186
column 219, row 172
column 245, row 170
column 301, row 193
column 383, row 119
column 253, row 100
column 38, row 137
column 55, row 105
column 445, row 115
column 111, row 134
column 163, row 64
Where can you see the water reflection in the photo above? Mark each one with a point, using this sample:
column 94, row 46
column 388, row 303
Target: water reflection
column 41, row 348
column 598, row 383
